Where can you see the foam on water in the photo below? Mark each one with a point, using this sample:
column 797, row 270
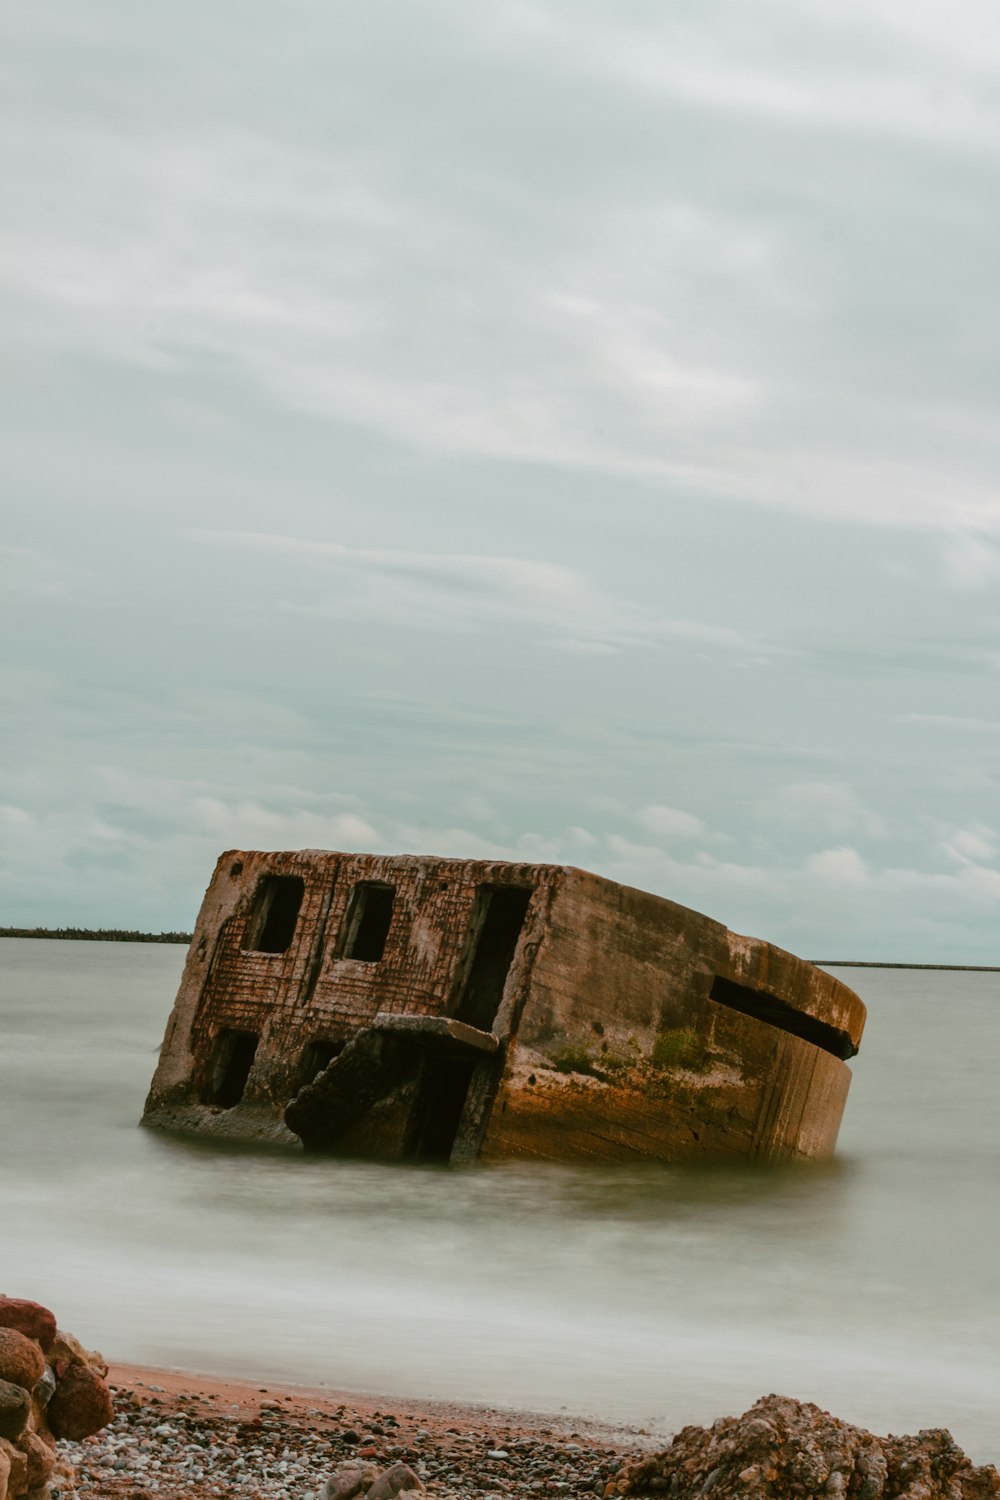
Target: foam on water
column 649, row 1294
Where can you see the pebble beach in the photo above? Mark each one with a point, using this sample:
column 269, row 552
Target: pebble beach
column 183, row 1437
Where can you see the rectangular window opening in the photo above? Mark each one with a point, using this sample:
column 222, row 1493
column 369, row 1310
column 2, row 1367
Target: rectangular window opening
column 368, row 922
column 232, row 1059
column 316, row 1058
column 501, row 920
column 275, row 913
column 778, row 1013
column 440, row 1107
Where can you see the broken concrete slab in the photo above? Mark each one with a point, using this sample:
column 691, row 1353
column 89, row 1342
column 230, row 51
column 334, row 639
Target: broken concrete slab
column 439, row 1032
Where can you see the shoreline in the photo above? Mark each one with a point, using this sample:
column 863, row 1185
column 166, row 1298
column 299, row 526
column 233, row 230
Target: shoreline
column 244, row 1394
column 180, row 1435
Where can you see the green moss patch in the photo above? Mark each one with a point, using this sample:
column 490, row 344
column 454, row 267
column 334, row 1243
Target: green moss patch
column 681, row 1047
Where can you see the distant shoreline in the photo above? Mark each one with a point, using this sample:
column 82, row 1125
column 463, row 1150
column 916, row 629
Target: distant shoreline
column 862, row 963
column 121, row 935
column 95, row 934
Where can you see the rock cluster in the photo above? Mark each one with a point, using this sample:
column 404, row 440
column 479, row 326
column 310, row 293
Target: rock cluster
column 783, row 1448
column 50, row 1387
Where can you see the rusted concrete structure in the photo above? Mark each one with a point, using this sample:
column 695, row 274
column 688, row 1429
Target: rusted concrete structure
column 446, row 1009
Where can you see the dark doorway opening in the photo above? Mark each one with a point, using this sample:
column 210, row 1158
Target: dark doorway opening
column 777, row 1012
column 315, row 1059
column 369, row 921
column 232, row 1059
column 502, row 918
column 275, row 913
column 441, row 1102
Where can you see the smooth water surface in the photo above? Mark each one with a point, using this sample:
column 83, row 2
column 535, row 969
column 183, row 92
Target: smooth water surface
column 648, row 1294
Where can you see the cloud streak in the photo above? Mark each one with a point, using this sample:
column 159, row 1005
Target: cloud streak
column 491, row 299
column 448, row 591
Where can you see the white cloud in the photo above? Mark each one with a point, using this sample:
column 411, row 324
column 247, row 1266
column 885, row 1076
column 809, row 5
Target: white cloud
column 843, row 866
column 829, row 807
column 972, row 561
column 496, row 300
column 19, row 817
column 960, row 722
column 582, row 838
column 250, row 825
column 667, row 370
column 478, row 808
column 449, row 590
column 972, row 845
column 670, row 822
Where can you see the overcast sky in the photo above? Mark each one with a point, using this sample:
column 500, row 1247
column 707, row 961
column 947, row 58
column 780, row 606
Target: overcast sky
column 558, row 431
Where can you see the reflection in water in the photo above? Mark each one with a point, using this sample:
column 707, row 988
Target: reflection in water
column 648, row 1293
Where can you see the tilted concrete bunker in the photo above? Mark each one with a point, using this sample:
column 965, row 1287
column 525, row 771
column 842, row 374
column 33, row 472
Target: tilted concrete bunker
column 444, row 1009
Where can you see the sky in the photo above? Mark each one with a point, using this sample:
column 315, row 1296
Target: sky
column 553, row 431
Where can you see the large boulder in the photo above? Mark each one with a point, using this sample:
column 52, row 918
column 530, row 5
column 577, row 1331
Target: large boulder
column 13, row 1472
column 67, row 1350
column 18, row 1481
column 15, row 1408
column 21, row 1360
column 81, row 1404
column 783, row 1448
column 29, row 1318
column 39, row 1457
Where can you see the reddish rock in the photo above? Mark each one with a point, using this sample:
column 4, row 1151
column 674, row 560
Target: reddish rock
column 783, row 1448
column 348, row 1481
column 29, row 1318
column 81, row 1405
column 15, row 1406
column 40, row 1459
column 393, row 1481
column 21, row 1360
column 13, row 1472
column 67, row 1350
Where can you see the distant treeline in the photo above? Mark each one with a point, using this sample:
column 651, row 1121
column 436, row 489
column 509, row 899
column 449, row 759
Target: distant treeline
column 859, row 963
column 96, row 934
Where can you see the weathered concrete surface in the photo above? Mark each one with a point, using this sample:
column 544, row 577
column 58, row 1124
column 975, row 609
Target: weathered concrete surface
column 394, row 1006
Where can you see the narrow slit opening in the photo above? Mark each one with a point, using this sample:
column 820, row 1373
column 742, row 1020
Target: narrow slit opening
column 778, row 1013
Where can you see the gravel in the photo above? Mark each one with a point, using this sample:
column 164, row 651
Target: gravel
column 196, row 1446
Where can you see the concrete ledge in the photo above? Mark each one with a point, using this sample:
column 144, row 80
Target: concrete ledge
column 437, row 1030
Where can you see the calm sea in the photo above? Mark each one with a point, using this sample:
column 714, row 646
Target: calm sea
column 650, row 1294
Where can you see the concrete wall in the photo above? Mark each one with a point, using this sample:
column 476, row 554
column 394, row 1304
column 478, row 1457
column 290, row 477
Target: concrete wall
column 311, row 992
column 621, row 1052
